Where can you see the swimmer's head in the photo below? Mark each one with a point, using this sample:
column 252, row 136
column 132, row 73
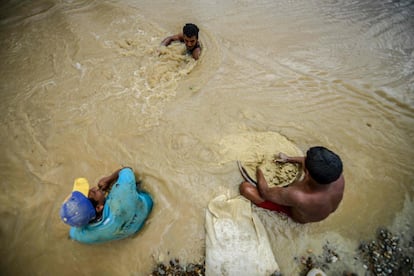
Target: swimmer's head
column 190, row 30
column 190, row 33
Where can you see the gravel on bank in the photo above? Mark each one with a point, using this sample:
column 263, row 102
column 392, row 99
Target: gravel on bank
column 387, row 254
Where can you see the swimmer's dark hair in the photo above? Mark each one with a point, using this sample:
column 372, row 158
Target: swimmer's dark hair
column 323, row 165
column 190, row 30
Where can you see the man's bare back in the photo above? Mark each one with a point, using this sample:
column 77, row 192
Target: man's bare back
column 311, row 199
column 315, row 202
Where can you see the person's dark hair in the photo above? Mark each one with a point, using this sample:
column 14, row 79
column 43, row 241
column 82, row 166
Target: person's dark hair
column 98, row 216
column 190, row 30
column 323, row 165
column 94, row 202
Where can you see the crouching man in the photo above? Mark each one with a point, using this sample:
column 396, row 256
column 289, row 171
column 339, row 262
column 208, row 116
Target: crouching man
column 96, row 218
column 311, row 199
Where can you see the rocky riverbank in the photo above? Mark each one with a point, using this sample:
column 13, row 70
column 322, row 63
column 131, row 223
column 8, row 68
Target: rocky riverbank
column 388, row 254
column 174, row 268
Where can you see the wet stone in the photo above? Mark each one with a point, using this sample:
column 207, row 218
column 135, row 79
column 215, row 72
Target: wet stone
column 174, row 268
column 385, row 255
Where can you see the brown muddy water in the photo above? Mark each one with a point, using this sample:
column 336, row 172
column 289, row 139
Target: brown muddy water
column 86, row 88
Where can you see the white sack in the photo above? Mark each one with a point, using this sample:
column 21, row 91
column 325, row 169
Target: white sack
column 236, row 242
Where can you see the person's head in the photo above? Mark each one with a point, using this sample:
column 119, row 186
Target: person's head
column 83, row 205
column 190, row 33
column 323, row 165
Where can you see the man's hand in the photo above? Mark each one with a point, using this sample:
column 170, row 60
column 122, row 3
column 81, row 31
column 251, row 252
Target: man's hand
column 104, row 183
column 282, row 158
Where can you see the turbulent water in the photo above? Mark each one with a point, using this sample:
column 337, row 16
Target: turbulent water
column 86, row 88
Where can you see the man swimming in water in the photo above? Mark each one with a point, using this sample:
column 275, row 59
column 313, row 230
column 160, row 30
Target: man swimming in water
column 190, row 37
column 311, row 199
column 95, row 217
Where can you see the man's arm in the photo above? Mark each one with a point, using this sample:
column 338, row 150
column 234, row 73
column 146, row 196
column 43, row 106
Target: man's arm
column 196, row 53
column 105, row 182
column 167, row 41
column 279, row 195
column 283, row 158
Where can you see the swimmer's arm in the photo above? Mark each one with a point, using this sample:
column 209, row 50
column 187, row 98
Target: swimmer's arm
column 277, row 195
column 105, row 182
column 167, row 41
column 196, row 53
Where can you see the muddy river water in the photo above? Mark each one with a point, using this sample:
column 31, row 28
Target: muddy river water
column 86, row 88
